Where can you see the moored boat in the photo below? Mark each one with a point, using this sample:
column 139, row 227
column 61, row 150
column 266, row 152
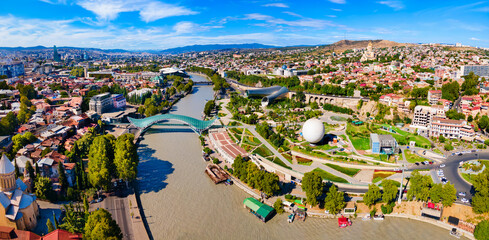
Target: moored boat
column 291, row 218
column 454, row 233
column 344, row 222
column 367, row 218
column 379, row 217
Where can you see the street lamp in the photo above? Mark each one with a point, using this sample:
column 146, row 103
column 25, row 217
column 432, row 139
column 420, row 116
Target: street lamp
column 400, row 188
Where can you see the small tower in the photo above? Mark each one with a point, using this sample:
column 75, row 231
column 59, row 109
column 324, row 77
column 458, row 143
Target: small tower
column 7, row 175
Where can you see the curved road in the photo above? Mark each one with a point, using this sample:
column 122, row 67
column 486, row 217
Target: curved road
column 451, row 170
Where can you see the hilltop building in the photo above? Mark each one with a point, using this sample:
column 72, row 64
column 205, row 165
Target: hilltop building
column 18, row 209
column 369, row 54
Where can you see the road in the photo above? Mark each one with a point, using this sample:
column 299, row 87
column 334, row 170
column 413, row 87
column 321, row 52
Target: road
column 451, row 170
column 119, row 208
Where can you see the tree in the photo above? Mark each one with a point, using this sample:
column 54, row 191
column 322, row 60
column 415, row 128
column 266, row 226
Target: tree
column 453, row 114
column 55, row 221
column 480, row 201
column 481, row 231
column 209, row 106
column 50, row 225
column 449, row 194
column 448, row 147
column 74, row 219
column 278, row 206
column 420, row 186
column 17, row 172
column 312, row 184
column 335, row 200
column 372, row 195
column 100, row 165
column 30, row 171
column 450, row 91
column 44, row 188
column 389, row 191
column 63, row 181
column 483, row 123
column 100, row 225
column 125, row 157
column 436, row 192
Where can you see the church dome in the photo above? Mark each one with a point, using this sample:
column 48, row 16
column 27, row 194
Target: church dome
column 7, row 175
column 5, row 165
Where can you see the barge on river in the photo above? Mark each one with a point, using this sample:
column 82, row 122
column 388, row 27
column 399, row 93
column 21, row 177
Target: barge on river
column 216, row 173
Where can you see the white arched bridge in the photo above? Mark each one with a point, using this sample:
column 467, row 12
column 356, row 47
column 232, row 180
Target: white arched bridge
column 198, row 126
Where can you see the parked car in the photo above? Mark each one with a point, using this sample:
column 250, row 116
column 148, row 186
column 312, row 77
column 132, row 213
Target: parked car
column 462, row 194
column 464, row 200
column 442, row 165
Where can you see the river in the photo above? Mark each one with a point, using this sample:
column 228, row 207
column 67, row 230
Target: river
column 181, row 202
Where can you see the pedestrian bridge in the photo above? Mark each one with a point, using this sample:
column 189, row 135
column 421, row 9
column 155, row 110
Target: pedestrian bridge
column 196, row 125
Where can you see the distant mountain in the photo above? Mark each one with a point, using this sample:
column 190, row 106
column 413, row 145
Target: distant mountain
column 60, row 48
column 212, row 47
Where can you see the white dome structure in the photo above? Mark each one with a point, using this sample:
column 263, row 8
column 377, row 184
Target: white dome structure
column 313, row 130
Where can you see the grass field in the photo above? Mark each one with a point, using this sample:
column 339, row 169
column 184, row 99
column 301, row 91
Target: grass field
column 378, row 176
column 467, row 177
column 251, row 141
column 236, row 130
column 328, row 176
column 277, row 161
column 338, row 118
column 303, row 161
column 348, row 171
column 412, row 157
column 263, row 151
column 360, row 143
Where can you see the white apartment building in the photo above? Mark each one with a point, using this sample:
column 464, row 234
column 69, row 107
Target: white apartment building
column 451, row 129
column 423, row 116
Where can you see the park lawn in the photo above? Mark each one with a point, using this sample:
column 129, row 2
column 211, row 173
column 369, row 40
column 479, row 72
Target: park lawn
column 468, row 177
column 412, row 157
column 303, row 161
column 401, row 135
column 263, row 151
column 437, row 151
column 342, row 153
column 360, row 143
column 288, row 157
column 251, row 141
column 338, row 118
column 328, row 176
column 348, row 171
column 236, row 130
column 311, row 153
column 328, row 127
column 279, row 162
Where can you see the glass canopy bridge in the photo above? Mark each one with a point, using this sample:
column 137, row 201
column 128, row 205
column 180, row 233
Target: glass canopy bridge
column 198, row 126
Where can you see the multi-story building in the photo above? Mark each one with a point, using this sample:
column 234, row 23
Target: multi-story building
column 12, row 69
column 451, row 129
column 101, row 103
column 383, row 144
column 119, row 100
column 434, row 96
column 479, row 70
column 423, row 115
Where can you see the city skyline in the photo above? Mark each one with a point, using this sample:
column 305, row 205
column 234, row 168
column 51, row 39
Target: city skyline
column 153, row 24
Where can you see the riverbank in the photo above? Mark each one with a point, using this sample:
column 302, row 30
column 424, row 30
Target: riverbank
column 181, row 202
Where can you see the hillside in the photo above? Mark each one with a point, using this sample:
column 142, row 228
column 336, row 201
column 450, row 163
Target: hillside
column 349, row 44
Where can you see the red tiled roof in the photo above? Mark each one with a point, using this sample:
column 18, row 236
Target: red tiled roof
column 60, row 234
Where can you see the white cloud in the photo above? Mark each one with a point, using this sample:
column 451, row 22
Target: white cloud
column 482, row 9
column 54, row 1
column 338, row 1
column 336, row 9
column 279, row 5
column 396, row 5
column 190, row 27
column 474, row 39
column 149, row 10
column 303, row 22
column 331, row 16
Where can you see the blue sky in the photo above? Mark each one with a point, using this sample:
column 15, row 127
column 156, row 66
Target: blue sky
column 161, row 24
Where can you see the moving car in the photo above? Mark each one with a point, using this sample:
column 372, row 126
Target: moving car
column 462, row 194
